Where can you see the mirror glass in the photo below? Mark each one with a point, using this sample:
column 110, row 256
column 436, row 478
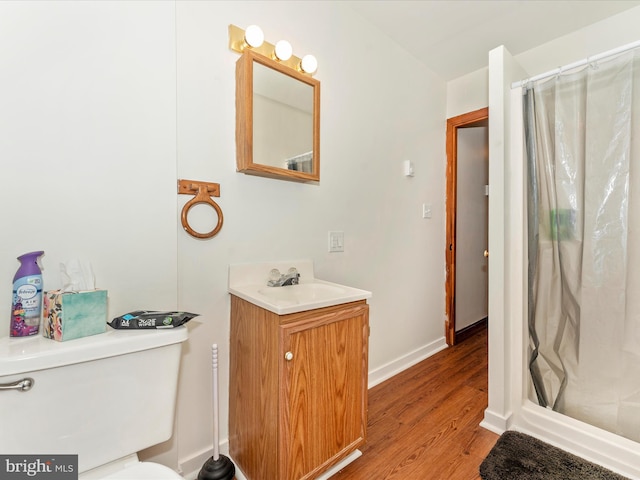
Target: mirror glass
column 277, row 112
column 282, row 120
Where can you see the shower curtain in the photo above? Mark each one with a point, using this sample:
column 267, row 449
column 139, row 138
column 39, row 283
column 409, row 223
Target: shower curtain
column 582, row 139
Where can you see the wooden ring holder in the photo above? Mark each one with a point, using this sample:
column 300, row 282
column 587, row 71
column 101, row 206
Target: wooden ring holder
column 203, row 192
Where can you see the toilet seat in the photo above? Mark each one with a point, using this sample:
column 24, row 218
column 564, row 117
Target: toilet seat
column 144, row 471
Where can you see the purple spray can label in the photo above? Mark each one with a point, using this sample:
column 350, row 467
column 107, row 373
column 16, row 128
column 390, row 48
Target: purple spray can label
column 26, row 306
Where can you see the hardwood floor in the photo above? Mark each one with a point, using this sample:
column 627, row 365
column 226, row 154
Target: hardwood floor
column 424, row 422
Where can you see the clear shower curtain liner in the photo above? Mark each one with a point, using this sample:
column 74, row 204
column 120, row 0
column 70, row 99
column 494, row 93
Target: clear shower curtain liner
column 582, row 139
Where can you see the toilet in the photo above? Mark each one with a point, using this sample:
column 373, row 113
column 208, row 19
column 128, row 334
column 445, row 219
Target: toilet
column 103, row 398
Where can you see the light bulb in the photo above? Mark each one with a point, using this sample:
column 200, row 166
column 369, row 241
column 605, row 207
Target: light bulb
column 309, row 64
column 253, row 36
column 283, row 50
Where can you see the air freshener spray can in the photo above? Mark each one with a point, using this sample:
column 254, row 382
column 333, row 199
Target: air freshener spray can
column 26, row 305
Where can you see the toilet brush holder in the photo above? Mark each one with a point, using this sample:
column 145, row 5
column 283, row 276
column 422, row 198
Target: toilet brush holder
column 218, row 467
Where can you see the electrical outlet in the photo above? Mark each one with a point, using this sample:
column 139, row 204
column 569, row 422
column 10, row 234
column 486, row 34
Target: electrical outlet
column 336, row 241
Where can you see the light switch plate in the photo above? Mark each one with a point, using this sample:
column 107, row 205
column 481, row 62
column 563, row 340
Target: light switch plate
column 336, row 241
column 407, row 166
column 426, row 210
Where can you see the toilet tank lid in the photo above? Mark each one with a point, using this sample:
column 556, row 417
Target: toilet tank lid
column 22, row 355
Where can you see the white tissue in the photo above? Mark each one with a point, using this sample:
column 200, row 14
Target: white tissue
column 77, row 275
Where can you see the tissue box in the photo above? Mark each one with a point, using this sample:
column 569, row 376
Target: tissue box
column 69, row 315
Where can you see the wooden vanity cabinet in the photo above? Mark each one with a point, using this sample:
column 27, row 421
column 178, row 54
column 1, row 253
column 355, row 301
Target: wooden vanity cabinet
column 298, row 388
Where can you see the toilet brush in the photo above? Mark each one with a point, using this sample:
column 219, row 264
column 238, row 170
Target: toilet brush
column 218, row 467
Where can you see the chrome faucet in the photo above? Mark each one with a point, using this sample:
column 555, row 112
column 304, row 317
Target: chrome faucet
column 276, row 279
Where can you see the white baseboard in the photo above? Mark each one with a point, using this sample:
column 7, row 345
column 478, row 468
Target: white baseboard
column 495, row 423
column 396, row 366
column 190, row 467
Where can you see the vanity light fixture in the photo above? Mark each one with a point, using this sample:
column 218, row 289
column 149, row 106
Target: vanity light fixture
column 282, row 52
column 253, row 36
column 309, row 64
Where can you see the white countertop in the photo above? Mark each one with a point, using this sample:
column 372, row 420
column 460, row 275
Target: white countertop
column 249, row 282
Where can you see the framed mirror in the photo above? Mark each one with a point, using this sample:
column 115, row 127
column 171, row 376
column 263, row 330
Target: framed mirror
column 277, row 120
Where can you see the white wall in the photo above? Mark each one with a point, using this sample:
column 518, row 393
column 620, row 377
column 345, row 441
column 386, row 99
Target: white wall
column 471, row 226
column 378, row 107
column 87, row 146
column 106, row 104
column 470, row 92
column 600, row 37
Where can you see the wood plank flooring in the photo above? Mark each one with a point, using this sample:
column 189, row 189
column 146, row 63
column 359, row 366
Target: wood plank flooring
column 424, row 422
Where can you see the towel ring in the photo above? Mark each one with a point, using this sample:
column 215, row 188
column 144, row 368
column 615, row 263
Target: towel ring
column 203, row 192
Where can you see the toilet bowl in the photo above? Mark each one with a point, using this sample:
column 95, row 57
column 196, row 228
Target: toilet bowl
column 103, row 398
column 145, row 471
column 131, row 469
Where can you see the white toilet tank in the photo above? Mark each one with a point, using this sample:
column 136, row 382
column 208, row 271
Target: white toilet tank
column 101, row 397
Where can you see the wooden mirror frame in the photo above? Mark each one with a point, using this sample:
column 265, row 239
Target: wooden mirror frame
column 244, row 120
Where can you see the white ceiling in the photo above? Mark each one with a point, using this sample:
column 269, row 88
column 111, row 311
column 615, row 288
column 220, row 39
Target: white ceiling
column 453, row 37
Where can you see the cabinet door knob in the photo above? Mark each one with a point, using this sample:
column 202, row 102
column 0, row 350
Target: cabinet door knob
column 288, row 356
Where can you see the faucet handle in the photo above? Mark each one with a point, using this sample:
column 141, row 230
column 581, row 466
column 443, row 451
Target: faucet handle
column 274, row 274
column 293, row 276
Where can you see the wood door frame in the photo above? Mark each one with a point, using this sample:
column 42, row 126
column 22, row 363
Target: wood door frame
column 476, row 118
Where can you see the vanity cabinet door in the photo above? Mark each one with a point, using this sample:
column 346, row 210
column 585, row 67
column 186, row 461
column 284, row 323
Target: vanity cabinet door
column 323, row 390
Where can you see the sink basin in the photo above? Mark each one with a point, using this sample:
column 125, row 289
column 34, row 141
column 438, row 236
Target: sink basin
column 249, row 283
column 302, row 293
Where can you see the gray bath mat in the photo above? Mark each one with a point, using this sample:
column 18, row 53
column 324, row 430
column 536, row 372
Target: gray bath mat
column 517, row 456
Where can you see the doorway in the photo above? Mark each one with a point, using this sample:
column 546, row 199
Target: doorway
column 466, row 266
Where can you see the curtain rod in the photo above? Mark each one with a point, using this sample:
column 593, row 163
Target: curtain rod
column 577, row 64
